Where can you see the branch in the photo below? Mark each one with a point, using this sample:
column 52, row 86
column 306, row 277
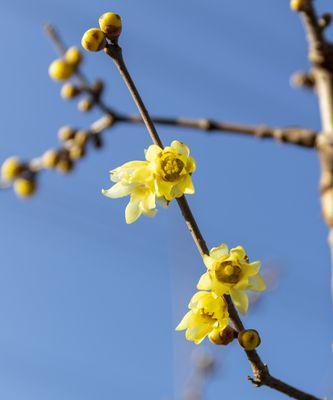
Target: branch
column 293, row 135
column 260, row 370
column 321, row 58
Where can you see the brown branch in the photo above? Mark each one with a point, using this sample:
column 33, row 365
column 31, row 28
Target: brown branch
column 291, row 135
column 321, row 58
column 260, row 370
column 294, row 135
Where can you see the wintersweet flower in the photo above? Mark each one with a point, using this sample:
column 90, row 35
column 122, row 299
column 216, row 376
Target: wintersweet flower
column 134, row 179
column 208, row 313
column 230, row 272
column 172, row 168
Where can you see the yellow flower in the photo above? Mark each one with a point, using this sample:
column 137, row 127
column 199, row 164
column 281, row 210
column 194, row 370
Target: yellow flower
column 230, row 272
column 172, row 168
column 208, row 313
column 135, row 179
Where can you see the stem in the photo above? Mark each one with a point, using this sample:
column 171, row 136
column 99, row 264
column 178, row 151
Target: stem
column 260, row 370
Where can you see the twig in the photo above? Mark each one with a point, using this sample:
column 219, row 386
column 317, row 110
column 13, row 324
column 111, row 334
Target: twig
column 291, row 135
column 260, row 370
column 82, row 79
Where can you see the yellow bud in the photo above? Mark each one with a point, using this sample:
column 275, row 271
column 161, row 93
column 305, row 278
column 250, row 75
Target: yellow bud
column 68, row 91
column 24, row 187
column 60, row 70
column 110, row 24
column 298, row 5
column 11, row 168
column 73, row 56
column 76, row 152
column 50, row 159
column 223, row 337
column 65, row 165
column 249, row 339
column 85, row 105
column 81, row 138
column 93, row 40
column 66, row 133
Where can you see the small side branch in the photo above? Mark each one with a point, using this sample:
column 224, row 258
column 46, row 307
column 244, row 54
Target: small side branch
column 294, row 135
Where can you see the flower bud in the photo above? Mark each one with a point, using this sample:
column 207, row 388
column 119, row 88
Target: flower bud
column 60, row 70
column 66, row 133
column 110, row 24
column 81, row 137
column 249, row 339
column 68, row 91
column 76, row 152
column 298, row 5
column 73, row 56
column 85, row 105
column 50, row 159
column 25, row 187
column 223, row 337
column 11, row 168
column 93, row 40
column 65, row 165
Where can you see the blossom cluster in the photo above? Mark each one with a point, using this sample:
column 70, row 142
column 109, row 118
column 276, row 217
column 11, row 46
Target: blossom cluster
column 229, row 272
column 163, row 176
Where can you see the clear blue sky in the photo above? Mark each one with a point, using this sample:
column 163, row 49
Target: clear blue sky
column 88, row 305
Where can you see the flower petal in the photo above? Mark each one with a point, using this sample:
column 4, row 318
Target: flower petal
column 118, row 190
column 190, row 165
column 240, row 299
column 253, row 268
column 257, row 283
column 148, row 202
column 208, row 261
column 184, row 322
column 198, row 333
column 205, row 282
column 180, row 148
column 186, row 185
column 219, row 251
column 152, row 152
column 132, row 211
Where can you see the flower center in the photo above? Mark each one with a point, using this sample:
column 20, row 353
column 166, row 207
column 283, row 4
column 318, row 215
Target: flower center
column 206, row 316
column 228, row 273
column 172, row 168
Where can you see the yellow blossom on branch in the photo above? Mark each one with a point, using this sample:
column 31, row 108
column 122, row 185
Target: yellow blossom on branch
column 172, row 168
column 166, row 174
column 133, row 179
column 231, row 272
column 208, row 314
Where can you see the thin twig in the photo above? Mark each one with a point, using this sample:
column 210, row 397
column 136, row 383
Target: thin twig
column 260, row 370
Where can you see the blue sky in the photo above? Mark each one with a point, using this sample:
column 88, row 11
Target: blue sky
column 88, row 305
